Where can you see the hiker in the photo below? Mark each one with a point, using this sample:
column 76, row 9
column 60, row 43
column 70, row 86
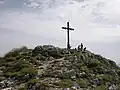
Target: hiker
column 81, row 46
column 84, row 49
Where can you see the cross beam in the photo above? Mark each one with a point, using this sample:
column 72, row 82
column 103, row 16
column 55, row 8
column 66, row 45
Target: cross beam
column 68, row 36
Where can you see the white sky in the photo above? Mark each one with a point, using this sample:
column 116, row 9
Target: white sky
column 33, row 22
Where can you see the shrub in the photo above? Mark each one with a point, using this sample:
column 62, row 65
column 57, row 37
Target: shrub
column 33, row 81
column 106, row 78
column 22, row 72
column 118, row 72
column 11, row 74
column 21, row 64
column 99, row 57
column 93, row 64
column 66, row 83
column 100, row 69
column 118, row 87
column 82, row 83
column 66, row 75
column 112, row 63
column 16, row 51
column 30, row 70
column 85, row 69
column 25, row 65
column 22, row 88
column 102, row 87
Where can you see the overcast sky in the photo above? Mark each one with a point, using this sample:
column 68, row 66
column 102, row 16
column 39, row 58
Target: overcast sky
column 35, row 22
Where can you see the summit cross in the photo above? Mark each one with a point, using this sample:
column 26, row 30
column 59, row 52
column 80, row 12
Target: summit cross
column 68, row 36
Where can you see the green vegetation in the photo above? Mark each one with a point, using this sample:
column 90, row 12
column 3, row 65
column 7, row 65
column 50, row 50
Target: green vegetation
column 82, row 83
column 65, row 83
column 22, row 72
column 102, row 87
column 33, row 81
column 16, row 51
column 51, row 66
column 22, row 88
column 25, row 71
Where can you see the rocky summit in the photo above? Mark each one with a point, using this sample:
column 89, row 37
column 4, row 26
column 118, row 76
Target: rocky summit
column 52, row 68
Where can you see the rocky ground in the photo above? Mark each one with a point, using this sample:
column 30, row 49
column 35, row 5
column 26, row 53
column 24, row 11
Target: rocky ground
column 51, row 68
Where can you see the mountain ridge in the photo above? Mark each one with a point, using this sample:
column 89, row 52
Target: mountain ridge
column 52, row 68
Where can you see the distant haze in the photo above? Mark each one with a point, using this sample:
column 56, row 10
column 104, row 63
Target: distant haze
column 35, row 22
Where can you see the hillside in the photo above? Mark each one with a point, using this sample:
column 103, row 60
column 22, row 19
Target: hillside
column 52, row 68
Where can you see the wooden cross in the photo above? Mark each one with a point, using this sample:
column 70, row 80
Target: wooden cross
column 68, row 36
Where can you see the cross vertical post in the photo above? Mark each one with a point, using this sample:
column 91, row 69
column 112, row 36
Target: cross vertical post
column 68, row 36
